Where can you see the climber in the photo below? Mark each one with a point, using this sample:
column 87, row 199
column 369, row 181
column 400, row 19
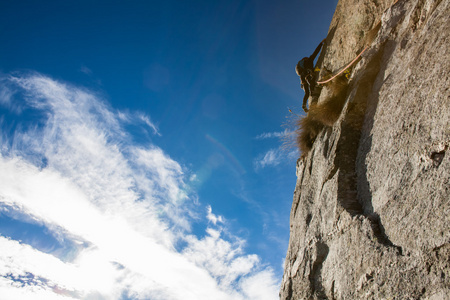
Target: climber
column 305, row 69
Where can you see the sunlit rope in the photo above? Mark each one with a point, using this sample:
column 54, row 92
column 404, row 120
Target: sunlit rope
column 346, row 67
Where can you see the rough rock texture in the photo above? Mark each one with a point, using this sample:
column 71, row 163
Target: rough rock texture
column 371, row 212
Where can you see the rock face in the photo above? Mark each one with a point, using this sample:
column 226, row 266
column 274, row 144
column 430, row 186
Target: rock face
column 371, row 212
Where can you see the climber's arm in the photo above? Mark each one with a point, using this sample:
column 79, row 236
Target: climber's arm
column 313, row 56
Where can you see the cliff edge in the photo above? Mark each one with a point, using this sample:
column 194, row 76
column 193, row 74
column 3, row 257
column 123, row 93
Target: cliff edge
column 370, row 217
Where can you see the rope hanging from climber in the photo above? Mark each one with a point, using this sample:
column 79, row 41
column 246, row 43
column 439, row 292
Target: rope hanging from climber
column 305, row 69
column 345, row 68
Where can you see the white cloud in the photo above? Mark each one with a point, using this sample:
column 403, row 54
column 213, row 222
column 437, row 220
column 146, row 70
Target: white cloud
column 269, row 135
column 252, row 286
column 212, row 217
column 6, row 97
column 78, row 173
column 232, row 269
column 274, row 157
column 136, row 118
column 144, row 118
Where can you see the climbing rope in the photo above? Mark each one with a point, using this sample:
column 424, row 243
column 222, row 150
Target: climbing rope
column 346, row 67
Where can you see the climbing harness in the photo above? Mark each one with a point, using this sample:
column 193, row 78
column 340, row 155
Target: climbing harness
column 345, row 68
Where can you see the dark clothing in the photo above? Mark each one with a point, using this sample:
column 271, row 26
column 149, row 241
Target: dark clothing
column 305, row 69
column 308, row 85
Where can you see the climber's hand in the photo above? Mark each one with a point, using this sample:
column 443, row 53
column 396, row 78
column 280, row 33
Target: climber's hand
column 305, row 108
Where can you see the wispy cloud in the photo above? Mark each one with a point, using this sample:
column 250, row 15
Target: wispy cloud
column 85, row 70
column 270, row 158
column 138, row 118
column 76, row 171
column 270, row 135
column 144, row 118
column 274, row 157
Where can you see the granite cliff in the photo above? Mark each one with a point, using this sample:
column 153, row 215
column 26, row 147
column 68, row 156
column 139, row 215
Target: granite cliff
column 370, row 217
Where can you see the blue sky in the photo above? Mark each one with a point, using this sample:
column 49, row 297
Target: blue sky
column 140, row 146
